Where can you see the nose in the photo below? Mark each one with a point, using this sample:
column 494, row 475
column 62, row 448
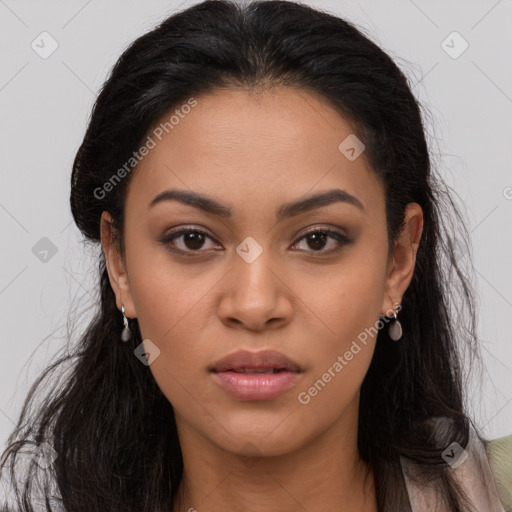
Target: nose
column 255, row 295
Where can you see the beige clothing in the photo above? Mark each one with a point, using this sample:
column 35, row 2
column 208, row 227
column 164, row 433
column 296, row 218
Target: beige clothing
column 474, row 473
column 500, row 457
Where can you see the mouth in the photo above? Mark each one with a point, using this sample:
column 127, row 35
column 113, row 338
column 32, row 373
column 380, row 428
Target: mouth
column 248, row 375
column 254, row 371
column 246, row 361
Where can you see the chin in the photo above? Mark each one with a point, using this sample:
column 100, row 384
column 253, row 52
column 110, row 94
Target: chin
column 256, row 438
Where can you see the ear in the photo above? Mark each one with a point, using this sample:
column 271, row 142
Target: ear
column 116, row 266
column 403, row 259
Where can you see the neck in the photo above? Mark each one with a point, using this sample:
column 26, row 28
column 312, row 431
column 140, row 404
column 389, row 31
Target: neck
column 325, row 475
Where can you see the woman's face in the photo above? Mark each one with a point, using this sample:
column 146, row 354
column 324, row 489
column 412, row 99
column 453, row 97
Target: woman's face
column 255, row 281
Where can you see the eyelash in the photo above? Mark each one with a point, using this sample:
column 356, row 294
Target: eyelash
column 339, row 237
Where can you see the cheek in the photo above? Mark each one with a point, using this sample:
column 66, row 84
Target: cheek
column 166, row 302
column 332, row 390
column 343, row 354
column 180, row 363
column 164, row 294
column 173, row 320
column 172, row 311
column 350, row 317
column 351, row 300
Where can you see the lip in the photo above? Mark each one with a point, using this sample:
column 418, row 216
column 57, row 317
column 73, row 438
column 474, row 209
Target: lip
column 261, row 383
column 263, row 360
column 262, row 386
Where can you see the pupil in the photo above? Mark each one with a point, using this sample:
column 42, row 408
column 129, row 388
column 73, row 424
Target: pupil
column 317, row 238
column 194, row 240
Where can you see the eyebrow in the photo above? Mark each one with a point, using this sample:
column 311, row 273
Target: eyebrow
column 287, row 210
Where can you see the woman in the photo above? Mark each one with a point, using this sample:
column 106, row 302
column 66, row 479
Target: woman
column 276, row 329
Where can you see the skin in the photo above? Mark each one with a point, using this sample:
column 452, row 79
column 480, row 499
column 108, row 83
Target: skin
column 253, row 152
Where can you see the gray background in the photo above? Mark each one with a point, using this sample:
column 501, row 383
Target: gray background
column 45, row 103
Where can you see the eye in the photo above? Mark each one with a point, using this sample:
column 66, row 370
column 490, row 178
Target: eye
column 317, row 240
column 191, row 241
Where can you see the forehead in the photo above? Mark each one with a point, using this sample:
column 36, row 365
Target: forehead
column 275, row 145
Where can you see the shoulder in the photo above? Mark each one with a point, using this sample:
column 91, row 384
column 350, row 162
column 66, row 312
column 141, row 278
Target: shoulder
column 473, row 470
column 499, row 452
column 477, row 476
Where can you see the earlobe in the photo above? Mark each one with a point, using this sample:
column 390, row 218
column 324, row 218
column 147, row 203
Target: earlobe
column 116, row 266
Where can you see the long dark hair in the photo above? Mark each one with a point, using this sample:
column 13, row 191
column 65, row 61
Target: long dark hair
column 106, row 418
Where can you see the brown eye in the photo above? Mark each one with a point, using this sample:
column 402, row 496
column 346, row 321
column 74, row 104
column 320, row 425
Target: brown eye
column 187, row 241
column 317, row 240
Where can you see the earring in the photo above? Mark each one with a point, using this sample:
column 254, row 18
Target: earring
column 125, row 335
column 395, row 328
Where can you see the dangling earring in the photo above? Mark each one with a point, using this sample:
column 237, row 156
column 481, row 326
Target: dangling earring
column 395, row 328
column 125, row 335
